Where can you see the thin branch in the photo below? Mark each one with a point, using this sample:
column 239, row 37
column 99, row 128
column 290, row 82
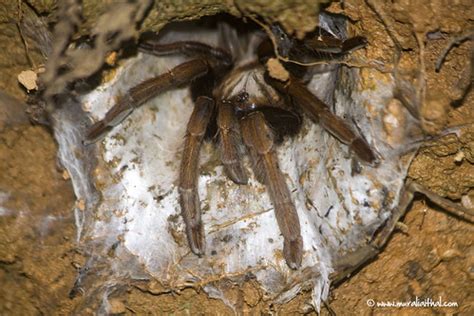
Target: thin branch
column 25, row 43
column 469, row 35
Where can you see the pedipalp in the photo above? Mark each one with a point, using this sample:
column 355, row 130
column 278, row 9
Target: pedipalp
column 259, row 139
column 188, row 173
column 229, row 141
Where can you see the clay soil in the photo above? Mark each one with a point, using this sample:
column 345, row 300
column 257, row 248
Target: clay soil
column 430, row 255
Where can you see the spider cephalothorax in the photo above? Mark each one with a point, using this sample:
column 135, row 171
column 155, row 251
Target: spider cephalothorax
column 237, row 102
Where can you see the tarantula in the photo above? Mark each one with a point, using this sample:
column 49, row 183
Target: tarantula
column 237, row 102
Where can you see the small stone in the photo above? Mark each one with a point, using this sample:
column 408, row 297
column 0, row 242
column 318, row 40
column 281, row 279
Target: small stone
column 276, row 70
column 459, row 156
column 65, row 175
column 451, row 254
column 81, row 205
column 28, row 79
column 467, row 201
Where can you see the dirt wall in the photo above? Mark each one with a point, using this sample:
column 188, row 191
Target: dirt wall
column 431, row 255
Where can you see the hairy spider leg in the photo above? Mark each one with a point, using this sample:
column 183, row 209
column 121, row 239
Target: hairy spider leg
column 319, row 112
column 259, row 139
column 136, row 96
column 333, row 45
column 188, row 173
column 192, row 48
column 229, row 141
